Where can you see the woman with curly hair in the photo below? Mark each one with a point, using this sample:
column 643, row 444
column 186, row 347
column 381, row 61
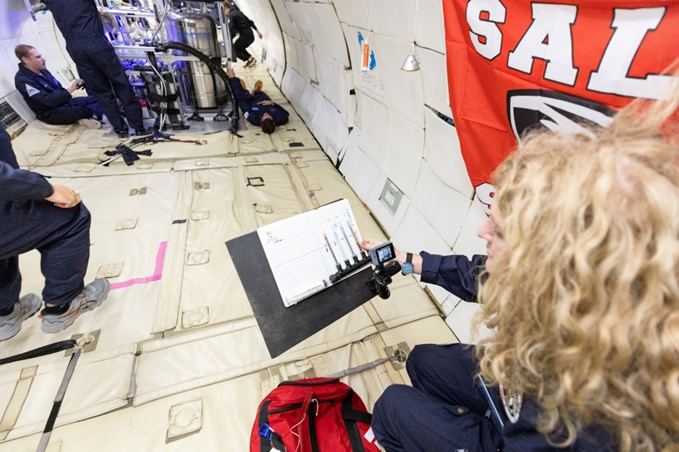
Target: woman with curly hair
column 583, row 300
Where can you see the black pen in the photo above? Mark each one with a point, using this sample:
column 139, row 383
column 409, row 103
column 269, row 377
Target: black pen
column 339, row 267
column 346, row 239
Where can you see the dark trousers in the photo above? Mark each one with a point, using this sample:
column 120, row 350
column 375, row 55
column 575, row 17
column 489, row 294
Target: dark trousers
column 62, row 236
column 105, row 78
column 444, row 410
column 6, row 152
column 76, row 108
column 242, row 43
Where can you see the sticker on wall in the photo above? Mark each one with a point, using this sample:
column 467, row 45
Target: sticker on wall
column 368, row 61
column 391, row 196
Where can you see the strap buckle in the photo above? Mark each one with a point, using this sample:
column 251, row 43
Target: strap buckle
column 265, row 431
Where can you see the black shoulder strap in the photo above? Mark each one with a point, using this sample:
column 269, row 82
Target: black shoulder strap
column 40, row 351
column 264, row 442
column 351, row 416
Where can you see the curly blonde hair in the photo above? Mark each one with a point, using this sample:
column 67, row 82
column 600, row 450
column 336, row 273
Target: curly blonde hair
column 585, row 296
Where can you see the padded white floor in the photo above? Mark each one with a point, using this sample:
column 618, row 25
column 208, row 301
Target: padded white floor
column 180, row 363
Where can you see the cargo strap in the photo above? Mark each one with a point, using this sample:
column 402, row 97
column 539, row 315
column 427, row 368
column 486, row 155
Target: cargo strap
column 351, row 417
column 40, row 351
column 399, row 356
column 47, row 432
column 48, row 350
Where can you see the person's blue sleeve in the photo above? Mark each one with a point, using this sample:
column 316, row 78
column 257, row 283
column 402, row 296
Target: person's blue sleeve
column 457, row 274
column 6, row 152
column 282, row 115
column 51, row 100
column 21, row 185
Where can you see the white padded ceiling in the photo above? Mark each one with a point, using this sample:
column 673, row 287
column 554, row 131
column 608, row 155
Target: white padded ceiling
column 374, row 121
column 358, row 169
column 285, row 18
column 429, row 29
column 332, row 81
column 405, row 147
column 354, row 12
column 301, row 19
column 326, row 31
column 434, row 80
column 393, row 18
column 469, row 243
column 442, row 151
column 404, row 93
column 440, row 205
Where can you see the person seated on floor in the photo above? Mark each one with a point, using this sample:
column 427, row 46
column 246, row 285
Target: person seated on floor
column 581, row 293
column 52, row 219
column 257, row 107
column 43, row 93
column 242, row 26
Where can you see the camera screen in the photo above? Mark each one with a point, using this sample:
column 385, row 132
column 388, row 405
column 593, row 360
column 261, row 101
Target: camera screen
column 385, row 254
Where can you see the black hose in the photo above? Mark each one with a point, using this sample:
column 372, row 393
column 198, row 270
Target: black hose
column 215, row 68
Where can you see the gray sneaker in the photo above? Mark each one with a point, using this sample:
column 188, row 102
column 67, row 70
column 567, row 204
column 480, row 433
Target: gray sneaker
column 92, row 296
column 26, row 307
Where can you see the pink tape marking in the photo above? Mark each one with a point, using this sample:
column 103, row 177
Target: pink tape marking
column 157, row 273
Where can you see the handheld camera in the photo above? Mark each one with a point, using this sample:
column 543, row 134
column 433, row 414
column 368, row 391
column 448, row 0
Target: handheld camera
column 382, row 274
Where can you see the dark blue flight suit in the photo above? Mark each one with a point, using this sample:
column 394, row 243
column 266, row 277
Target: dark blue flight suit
column 445, row 409
column 241, row 25
column 49, row 100
column 249, row 104
column 96, row 60
column 6, row 152
column 28, row 222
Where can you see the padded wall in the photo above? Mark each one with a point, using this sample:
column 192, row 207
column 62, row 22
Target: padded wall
column 383, row 126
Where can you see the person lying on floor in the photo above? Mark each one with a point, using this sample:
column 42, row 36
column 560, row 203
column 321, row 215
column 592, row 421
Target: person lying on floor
column 581, row 292
column 257, row 106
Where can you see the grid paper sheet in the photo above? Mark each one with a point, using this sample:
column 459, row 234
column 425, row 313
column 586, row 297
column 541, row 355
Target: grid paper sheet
column 298, row 253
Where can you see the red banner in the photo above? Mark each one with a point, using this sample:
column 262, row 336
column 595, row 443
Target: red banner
column 516, row 65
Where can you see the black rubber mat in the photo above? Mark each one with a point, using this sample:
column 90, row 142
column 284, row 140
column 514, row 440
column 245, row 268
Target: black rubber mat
column 282, row 327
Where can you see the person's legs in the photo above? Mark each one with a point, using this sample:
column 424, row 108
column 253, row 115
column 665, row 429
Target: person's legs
column 407, row 419
column 10, row 282
column 14, row 310
column 61, row 236
column 89, row 102
column 68, row 114
column 97, row 83
column 110, row 65
column 63, row 262
column 7, row 154
column 241, row 45
column 243, row 97
column 447, row 373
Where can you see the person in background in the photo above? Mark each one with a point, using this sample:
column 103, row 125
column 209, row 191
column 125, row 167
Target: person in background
column 43, row 93
column 241, row 25
column 257, row 106
column 581, row 292
column 97, row 63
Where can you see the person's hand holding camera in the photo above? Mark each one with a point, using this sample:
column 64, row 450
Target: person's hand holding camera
column 77, row 83
column 401, row 256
